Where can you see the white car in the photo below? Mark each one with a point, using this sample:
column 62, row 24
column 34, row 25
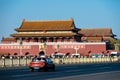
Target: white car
column 75, row 55
column 57, row 55
column 114, row 54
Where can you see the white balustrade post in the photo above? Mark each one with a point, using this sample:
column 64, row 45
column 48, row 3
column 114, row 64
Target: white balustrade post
column 11, row 61
column 3, row 59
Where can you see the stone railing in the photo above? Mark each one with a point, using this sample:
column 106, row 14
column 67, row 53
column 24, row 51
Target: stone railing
column 14, row 61
column 84, row 60
column 11, row 62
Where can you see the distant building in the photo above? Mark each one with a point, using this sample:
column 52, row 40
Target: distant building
column 96, row 34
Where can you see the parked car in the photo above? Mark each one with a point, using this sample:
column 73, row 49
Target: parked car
column 57, row 55
column 96, row 55
column 115, row 54
column 77, row 55
column 44, row 63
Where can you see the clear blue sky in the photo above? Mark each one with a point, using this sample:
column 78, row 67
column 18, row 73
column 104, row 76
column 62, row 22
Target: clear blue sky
column 86, row 13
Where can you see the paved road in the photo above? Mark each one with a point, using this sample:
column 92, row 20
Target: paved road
column 102, row 71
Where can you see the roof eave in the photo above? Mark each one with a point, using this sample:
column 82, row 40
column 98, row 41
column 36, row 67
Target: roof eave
column 28, row 30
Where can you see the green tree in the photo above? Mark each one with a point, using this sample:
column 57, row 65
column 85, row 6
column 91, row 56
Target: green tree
column 118, row 42
column 113, row 42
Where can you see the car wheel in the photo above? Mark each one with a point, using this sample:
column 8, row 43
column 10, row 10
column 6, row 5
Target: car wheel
column 32, row 70
column 39, row 70
column 53, row 69
column 46, row 69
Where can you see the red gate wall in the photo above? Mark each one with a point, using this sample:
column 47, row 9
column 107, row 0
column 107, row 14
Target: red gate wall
column 82, row 48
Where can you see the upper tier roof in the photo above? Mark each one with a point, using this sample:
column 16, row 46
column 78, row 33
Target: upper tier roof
column 46, row 25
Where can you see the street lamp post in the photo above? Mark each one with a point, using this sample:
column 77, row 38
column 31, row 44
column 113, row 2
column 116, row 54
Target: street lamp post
column 76, row 49
column 20, row 46
column 45, row 46
column 57, row 47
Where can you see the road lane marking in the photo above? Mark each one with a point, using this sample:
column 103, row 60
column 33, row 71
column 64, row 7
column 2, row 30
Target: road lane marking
column 104, row 67
column 85, row 75
column 23, row 75
column 74, row 70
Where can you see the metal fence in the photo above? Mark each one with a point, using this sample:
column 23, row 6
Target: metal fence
column 11, row 62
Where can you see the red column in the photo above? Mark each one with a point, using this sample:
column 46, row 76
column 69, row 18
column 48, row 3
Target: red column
column 68, row 39
column 15, row 40
column 26, row 39
column 29, row 39
column 55, row 40
column 74, row 39
column 60, row 39
column 48, row 39
column 32, row 39
column 63, row 39
column 39, row 40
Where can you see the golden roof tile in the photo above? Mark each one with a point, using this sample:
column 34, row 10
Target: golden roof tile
column 46, row 25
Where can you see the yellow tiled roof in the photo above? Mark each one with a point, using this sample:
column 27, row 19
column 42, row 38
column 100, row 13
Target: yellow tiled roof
column 46, row 25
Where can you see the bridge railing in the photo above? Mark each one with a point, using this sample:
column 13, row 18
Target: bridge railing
column 11, row 62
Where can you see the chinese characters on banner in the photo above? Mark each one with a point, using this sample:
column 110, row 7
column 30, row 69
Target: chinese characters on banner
column 15, row 47
column 70, row 46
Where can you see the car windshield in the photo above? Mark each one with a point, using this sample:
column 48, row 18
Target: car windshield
column 38, row 59
column 48, row 60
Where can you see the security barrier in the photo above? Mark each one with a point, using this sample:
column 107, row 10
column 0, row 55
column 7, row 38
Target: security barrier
column 11, row 62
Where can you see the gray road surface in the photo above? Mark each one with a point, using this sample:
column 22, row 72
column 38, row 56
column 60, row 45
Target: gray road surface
column 96, row 71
